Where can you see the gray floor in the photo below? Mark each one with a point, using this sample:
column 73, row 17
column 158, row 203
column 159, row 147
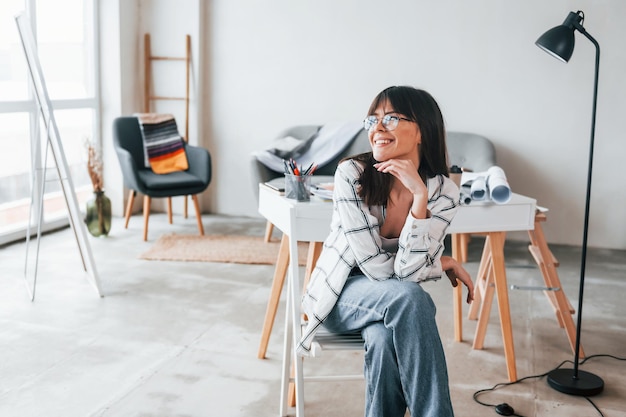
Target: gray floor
column 180, row 338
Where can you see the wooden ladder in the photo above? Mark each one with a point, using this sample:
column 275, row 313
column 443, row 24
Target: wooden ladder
column 149, row 97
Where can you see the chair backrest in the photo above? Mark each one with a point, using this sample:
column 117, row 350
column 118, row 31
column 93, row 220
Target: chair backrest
column 261, row 173
column 470, row 151
column 359, row 144
column 127, row 136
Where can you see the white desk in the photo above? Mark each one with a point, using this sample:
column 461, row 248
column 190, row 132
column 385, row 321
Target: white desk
column 310, row 222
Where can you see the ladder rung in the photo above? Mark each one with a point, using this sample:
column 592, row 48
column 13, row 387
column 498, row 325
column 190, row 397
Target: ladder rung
column 167, row 98
column 167, row 58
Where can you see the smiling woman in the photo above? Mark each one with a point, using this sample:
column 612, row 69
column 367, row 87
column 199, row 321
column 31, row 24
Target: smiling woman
column 66, row 48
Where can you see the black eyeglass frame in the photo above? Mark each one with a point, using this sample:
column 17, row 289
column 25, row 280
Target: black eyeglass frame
column 388, row 120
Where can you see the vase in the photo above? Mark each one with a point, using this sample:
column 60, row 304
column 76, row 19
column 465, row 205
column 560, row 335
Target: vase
column 98, row 218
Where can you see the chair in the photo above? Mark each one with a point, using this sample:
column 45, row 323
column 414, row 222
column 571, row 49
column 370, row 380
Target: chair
column 292, row 386
column 128, row 143
column 474, row 153
column 262, row 174
column 470, row 151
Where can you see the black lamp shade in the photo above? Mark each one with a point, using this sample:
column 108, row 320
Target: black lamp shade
column 558, row 42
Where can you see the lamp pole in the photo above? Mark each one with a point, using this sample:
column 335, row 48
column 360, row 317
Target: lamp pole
column 555, row 41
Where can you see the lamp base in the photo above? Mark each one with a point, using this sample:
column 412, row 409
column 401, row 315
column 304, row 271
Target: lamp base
column 586, row 385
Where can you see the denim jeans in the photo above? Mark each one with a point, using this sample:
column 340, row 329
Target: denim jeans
column 405, row 365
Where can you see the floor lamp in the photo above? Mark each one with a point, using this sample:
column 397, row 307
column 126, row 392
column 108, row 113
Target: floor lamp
column 559, row 42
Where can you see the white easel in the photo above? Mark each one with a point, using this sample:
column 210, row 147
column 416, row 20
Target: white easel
column 53, row 141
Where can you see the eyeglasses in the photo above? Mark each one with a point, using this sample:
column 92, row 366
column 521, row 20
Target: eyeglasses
column 389, row 122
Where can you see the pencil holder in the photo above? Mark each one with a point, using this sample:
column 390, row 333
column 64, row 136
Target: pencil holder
column 297, row 187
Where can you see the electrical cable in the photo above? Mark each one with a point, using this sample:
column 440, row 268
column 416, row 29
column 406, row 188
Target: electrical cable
column 505, row 384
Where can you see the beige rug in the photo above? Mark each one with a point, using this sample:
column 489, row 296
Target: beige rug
column 218, row 248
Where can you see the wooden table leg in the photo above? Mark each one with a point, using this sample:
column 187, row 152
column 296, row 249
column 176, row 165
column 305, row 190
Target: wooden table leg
column 547, row 263
column 457, row 292
column 282, row 262
column 496, row 243
column 315, row 248
column 486, row 289
column 480, row 284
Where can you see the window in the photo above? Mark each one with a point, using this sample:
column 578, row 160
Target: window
column 65, row 33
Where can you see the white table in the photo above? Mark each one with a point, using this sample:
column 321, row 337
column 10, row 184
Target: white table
column 310, row 221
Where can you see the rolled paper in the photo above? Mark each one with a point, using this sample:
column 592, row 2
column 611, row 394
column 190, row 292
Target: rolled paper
column 499, row 190
column 478, row 189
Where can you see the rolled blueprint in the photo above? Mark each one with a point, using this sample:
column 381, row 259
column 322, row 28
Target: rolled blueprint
column 499, row 190
column 478, row 189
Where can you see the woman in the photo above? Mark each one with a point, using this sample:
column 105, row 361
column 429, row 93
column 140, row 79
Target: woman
column 392, row 208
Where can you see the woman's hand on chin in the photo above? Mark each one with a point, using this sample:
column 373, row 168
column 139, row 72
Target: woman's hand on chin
column 405, row 171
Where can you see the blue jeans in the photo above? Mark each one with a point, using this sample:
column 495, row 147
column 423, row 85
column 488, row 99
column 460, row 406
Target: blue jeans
column 405, row 366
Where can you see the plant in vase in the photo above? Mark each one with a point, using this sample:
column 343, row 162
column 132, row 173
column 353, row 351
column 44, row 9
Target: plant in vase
column 98, row 216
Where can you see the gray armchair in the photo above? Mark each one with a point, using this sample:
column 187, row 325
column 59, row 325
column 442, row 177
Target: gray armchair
column 470, row 151
column 128, row 143
column 261, row 173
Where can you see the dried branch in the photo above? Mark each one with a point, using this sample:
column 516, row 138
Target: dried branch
column 95, row 167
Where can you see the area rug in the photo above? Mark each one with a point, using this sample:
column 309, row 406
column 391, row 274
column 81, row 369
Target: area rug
column 218, row 248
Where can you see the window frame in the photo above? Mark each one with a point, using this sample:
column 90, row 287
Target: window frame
column 30, row 107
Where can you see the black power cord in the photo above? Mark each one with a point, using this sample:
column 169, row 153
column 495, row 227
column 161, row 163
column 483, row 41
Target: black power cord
column 506, row 410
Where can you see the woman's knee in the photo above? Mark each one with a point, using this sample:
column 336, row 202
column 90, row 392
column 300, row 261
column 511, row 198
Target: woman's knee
column 410, row 298
column 377, row 337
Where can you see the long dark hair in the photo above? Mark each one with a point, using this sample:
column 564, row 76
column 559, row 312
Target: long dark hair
column 420, row 107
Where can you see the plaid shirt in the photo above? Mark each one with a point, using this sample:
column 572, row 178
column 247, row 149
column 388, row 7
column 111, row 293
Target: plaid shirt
column 355, row 241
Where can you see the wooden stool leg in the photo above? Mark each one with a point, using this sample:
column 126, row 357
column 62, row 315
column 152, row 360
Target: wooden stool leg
column 196, row 205
column 146, row 216
column 277, row 286
column 169, row 209
column 129, row 207
column 269, row 228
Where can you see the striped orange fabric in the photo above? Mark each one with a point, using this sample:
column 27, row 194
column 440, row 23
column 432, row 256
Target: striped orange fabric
column 163, row 146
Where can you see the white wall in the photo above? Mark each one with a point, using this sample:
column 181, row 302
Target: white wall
column 118, row 63
column 280, row 63
column 264, row 66
column 123, row 24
